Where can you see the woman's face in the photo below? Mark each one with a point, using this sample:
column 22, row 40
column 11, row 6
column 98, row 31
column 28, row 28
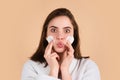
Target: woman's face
column 60, row 27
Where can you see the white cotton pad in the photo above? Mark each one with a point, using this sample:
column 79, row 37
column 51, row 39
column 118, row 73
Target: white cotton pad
column 70, row 38
column 49, row 39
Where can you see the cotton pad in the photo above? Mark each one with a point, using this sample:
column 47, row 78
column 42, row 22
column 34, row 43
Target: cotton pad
column 70, row 38
column 49, row 39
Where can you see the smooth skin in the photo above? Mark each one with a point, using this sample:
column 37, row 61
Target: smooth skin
column 59, row 58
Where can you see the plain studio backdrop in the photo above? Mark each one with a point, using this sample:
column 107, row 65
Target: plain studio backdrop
column 20, row 29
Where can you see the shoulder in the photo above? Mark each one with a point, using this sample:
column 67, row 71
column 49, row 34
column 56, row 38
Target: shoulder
column 90, row 69
column 32, row 64
column 88, row 62
column 33, row 67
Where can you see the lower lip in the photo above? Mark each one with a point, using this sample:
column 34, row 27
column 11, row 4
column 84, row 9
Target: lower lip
column 60, row 45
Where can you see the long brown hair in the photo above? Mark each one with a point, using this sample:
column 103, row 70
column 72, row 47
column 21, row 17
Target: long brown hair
column 39, row 54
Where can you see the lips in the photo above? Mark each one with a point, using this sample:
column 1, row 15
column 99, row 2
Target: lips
column 60, row 45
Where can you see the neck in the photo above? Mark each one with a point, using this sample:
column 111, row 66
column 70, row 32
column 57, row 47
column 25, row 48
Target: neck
column 61, row 58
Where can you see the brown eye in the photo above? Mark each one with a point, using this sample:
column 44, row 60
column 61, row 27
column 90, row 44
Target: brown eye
column 67, row 31
column 53, row 30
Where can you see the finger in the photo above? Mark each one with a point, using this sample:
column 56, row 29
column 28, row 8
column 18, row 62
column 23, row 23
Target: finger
column 70, row 57
column 65, row 54
column 55, row 55
column 69, row 47
column 48, row 49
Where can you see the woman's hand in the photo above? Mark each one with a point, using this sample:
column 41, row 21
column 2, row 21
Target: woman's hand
column 67, row 56
column 51, row 58
column 66, row 61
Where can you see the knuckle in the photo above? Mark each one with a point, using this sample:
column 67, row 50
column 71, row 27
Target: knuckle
column 71, row 56
column 44, row 56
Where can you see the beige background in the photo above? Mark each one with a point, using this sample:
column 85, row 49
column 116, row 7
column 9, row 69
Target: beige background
column 20, row 29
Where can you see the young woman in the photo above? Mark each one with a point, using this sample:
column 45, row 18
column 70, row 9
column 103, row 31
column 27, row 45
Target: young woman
column 58, row 57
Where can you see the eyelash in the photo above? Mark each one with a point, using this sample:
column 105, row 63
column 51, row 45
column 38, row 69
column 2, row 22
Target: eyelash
column 67, row 31
column 54, row 30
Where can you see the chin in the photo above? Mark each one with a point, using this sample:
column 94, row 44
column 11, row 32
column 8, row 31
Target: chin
column 60, row 50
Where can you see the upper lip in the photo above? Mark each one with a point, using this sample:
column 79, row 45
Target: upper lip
column 60, row 44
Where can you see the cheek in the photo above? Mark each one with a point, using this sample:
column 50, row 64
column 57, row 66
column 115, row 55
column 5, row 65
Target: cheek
column 71, row 33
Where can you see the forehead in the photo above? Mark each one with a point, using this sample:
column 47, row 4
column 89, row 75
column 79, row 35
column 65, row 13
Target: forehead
column 60, row 22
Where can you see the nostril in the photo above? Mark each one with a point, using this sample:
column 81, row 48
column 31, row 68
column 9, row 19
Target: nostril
column 60, row 38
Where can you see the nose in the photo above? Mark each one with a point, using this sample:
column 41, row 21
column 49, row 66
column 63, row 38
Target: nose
column 60, row 36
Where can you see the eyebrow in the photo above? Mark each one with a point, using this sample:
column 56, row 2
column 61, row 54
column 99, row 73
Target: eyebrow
column 67, row 27
column 53, row 27
column 57, row 27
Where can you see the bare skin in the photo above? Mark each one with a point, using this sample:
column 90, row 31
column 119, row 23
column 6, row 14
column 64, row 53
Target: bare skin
column 59, row 52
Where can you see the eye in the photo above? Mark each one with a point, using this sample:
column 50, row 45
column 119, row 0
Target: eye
column 53, row 30
column 67, row 30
